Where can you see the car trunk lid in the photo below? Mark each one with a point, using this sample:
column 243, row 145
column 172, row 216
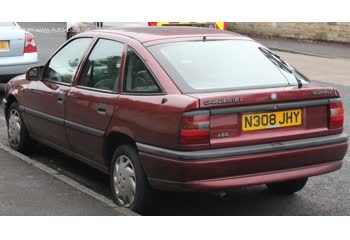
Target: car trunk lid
column 249, row 117
column 11, row 42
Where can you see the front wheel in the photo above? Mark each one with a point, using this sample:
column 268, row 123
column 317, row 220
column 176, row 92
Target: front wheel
column 287, row 187
column 128, row 182
column 18, row 135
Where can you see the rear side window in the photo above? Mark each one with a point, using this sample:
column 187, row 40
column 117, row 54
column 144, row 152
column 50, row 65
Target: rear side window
column 206, row 66
column 137, row 77
column 101, row 70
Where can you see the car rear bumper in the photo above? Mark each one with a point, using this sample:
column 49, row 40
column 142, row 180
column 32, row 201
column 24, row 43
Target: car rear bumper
column 242, row 166
column 17, row 65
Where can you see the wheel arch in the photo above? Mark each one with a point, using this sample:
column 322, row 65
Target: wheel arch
column 113, row 140
column 9, row 101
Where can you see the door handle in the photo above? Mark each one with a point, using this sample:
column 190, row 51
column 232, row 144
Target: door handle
column 60, row 98
column 101, row 109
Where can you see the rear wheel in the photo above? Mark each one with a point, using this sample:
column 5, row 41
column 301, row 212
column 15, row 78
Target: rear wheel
column 128, row 182
column 18, row 135
column 287, row 187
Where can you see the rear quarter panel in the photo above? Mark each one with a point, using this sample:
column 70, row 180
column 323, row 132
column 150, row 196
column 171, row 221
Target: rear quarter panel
column 147, row 120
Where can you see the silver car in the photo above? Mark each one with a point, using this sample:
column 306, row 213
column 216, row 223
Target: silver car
column 18, row 50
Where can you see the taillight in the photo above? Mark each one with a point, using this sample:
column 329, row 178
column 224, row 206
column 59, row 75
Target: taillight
column 152, row 24
column 195, row 129
column 29, row 43
column 336, row 115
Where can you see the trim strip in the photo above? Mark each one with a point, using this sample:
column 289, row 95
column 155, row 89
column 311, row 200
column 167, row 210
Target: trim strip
column 84, row 129
column 239, row 151
column 63, row 122
column 270, row 107
column 44, row 116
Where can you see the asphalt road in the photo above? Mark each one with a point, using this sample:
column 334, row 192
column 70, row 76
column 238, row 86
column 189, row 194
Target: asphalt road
column 323, row 195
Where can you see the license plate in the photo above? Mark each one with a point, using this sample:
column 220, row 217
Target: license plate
column 260, row 121
column 4, row 45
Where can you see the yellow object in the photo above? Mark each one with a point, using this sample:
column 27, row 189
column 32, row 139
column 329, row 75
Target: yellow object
column 4, row 45
column 218, row 25
column 260, row 121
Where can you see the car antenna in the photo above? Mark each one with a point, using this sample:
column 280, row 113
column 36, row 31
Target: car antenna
column 204, row 38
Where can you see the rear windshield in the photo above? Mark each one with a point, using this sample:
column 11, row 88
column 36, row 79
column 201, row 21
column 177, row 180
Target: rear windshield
column 207, row 66
column 7, row 24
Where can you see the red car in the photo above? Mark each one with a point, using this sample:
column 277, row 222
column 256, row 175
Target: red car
column 178, row 109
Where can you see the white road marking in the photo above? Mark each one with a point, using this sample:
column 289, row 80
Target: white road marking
column 69, row 181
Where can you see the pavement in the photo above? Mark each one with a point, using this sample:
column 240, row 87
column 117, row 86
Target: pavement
column 306, row 47
column 28, row 188
column 48, row 177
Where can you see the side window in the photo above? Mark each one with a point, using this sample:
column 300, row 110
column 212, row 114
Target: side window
column 102, row 68
column 64, row 64
column 137, row 78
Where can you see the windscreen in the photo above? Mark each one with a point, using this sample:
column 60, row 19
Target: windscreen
column 207, row 66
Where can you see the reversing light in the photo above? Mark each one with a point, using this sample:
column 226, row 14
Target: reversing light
column 195, row 129
column 29, row 43
column 336, row 113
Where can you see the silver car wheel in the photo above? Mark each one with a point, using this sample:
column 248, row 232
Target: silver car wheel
column 14, row 128
column 124, row 180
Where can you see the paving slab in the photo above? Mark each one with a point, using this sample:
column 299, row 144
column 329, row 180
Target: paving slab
column 26, row 190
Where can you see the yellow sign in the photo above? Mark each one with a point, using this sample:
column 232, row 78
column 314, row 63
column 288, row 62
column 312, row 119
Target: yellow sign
column 260, row 121
column 4, row 45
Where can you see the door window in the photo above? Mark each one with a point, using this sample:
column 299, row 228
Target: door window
column 64, row 64
column 101, row 70
column 137, row 77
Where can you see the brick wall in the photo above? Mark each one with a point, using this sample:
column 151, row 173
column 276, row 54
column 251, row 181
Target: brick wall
column 328, row 31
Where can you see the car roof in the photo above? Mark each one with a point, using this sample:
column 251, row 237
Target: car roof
column 146, row 34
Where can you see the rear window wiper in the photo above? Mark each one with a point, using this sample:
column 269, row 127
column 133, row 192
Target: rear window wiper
column 282, row 64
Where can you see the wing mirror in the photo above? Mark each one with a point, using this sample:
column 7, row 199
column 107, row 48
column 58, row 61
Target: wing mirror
column 34, row 73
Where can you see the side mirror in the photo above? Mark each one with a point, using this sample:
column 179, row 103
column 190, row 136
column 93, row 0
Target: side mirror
column 34, row 73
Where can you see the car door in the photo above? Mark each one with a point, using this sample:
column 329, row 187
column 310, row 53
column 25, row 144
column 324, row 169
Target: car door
column 45, row 100
column 91, row 102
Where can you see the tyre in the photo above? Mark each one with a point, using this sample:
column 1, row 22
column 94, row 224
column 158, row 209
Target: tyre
column 128, row 182
column 211, row 25
column 18, row 135
column 288, row 187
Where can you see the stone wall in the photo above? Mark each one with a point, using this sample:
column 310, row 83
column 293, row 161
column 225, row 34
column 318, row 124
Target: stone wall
column 327, row 31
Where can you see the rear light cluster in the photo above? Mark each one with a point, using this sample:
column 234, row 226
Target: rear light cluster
column 29, row 43
column 195, row 129
column 336, row 115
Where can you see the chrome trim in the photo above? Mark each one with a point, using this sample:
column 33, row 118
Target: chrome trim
column 245, row 150
column 270, row 107
column 96, row 89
